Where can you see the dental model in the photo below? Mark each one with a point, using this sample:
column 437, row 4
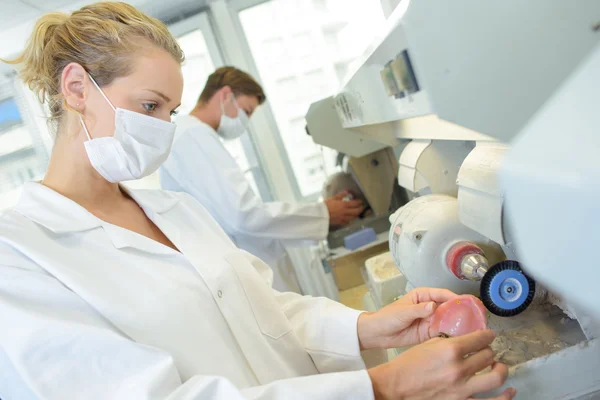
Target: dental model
column 459, row 316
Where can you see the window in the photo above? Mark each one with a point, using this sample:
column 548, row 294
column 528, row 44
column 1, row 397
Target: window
column 23, row 156
column 196, row 69
column 302, row 50
column 10, row 116
column 200, row 63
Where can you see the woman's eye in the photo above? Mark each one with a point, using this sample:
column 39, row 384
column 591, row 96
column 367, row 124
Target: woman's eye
column 174, row 113
column 150, row 107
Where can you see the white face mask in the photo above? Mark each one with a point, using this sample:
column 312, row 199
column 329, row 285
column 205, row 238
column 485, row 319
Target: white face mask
column 232, row 128
column 139, row 146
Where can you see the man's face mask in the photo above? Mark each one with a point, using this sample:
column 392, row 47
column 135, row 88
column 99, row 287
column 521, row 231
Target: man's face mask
column 232, row 128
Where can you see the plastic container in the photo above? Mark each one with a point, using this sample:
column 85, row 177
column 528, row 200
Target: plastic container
column 384, row 279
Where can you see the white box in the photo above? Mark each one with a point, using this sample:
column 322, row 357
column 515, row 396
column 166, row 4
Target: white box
column 384, row 279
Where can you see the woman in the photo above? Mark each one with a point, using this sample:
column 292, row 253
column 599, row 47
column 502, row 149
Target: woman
column 107, row 293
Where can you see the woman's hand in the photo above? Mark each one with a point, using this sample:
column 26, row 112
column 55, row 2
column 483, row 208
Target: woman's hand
column 442, row 369
column 405, row 322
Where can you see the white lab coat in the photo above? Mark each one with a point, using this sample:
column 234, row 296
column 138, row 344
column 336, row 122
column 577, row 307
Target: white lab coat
column 90, row 310
column 201, row 166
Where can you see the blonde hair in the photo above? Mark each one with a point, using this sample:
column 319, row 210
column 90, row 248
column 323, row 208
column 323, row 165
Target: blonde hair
column 101, row 37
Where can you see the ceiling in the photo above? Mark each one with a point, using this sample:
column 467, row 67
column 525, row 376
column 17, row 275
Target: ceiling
column 15, row 12
column 17, row 17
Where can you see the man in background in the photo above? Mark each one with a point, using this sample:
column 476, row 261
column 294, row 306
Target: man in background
column 201, row 166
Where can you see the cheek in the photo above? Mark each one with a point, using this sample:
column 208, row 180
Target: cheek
column 105, row 123
column 164, row 115
column 99, row 118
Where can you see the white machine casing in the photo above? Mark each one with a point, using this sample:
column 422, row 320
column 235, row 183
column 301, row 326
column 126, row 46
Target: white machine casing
column 422, row 233
column 480, row 196
column 480, row 88
column 520, row 80
column 428, row 167
column 551, row 179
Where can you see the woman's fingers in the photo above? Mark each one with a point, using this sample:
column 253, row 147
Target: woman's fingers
column 479, row 361
column 487, row 381
column 473, row 342
column 421, row 295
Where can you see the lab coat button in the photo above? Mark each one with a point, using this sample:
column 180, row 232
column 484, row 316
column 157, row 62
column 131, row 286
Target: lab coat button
column 220, row 293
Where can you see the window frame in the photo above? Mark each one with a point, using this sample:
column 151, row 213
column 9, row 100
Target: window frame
column 202, row 21
column 280, row 170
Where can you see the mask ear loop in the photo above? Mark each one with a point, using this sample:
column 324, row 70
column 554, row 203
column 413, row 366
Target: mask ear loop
column 105, row 98
column 223, row 105
column 242, row 116
column 84, row 127
column 79, row 115
column 102, row 93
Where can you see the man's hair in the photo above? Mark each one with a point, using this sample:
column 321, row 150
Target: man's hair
column 239, row 81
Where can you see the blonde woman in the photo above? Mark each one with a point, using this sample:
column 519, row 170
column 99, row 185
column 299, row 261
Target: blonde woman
column 107, row 293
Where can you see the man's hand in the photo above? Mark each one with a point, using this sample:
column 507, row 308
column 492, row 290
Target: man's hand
column 405, row 322
column 342, row 212
column 442, row 369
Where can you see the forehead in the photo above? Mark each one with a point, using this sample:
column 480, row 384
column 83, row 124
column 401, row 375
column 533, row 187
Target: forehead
column 247, row 101
column 155, row 69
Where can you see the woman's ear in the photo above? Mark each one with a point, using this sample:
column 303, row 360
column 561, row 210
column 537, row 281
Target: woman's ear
column 73, row 86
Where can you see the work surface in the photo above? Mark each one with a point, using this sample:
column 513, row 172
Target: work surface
column 547, row 352
column 353, row 297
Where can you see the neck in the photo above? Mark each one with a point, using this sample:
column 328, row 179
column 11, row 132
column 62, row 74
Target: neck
column 204, row 112
column 71, row 174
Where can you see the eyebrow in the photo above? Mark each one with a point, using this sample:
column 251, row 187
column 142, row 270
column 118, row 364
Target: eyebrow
column 167, row 99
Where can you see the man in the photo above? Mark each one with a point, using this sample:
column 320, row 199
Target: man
column 200, row 165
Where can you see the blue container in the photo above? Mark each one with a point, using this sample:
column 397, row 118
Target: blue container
column 360, row 239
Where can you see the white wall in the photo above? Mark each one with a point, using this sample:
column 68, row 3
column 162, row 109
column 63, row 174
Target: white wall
column 388, row 6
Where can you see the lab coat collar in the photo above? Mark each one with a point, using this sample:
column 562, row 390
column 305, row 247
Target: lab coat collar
column 60, row 214
column 54, row 211
column 153, row 201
